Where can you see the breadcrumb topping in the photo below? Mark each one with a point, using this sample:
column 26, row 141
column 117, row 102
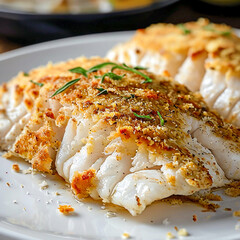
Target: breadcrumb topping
column 236, row 213
column 217, row 40
column 15, row 167
column 65, row 209
column 117, row 108
column 183, row 232
column 233, row 190
column 125, row 236
column 170, row 236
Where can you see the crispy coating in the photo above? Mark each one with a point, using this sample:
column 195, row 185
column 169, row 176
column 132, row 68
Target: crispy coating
column 117, row 108
column 218, row 40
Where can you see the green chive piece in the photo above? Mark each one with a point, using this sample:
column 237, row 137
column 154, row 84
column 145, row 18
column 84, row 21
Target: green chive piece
column 99, row 66
column 225, row 33
column 161, row 119
column 184, row 29
column 79, row 70
column 142, row 116
column 66, row 86
column 25, row 74
column 140, row 68
column 131, row 96
column 147, row 79
column 102, row 91
column 112, row 76
column 210, row 28
column 122, row 67
column 96, row 76
column 37, row 83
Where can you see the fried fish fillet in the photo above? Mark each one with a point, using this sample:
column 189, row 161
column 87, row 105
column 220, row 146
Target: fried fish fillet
column 130, row 138
column 201, row 55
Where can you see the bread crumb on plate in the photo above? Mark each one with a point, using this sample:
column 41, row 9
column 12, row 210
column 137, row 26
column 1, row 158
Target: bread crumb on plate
column 43, row 185
column 15, row 167
column 236, row 213
column 65, row 209
column 170, row 236
column 183, row 232
column 125, row 236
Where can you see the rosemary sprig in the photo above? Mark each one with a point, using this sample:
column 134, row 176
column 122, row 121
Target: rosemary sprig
column 184, row 29
column 142, row 116
column 112, row 76
column 161, row 118
column 66, row 86
column 99, row 66
column 140, row 68
column 79, row 70
column 122, row 67
column 37, row 83
column 126, row 68
column 102, row 91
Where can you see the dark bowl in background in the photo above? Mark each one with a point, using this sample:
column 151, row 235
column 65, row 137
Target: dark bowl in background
column 30, row 28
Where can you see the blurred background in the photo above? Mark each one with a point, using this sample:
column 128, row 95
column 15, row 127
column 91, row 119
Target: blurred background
column 25, row 22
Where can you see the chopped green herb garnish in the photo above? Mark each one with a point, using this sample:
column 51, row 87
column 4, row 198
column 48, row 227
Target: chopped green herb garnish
column 210, row 28
column 102, row 91
column 112, row 76
column 184, row 29
column 140, row 68
column 123, row 67
column 79, row 70
column 225, row 33
column 161, row 119
column 96, row 76
column 25, row 74
column 142, row 116
column 99, row 66
column 66, row 86
column 131, row 96
column 37, row 83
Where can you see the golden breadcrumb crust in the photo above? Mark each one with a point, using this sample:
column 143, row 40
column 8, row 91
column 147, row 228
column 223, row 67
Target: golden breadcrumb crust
column 173, row 101
column 218, row 40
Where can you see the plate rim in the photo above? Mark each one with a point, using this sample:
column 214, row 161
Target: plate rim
column 64, row 42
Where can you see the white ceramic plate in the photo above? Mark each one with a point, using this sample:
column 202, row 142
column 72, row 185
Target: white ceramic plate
column 26, row 212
